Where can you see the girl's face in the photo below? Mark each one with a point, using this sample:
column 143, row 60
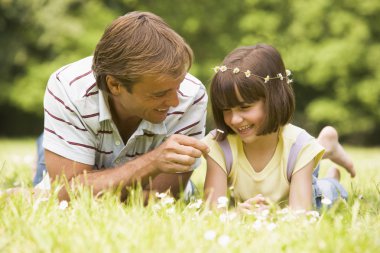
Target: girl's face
column 245, row 119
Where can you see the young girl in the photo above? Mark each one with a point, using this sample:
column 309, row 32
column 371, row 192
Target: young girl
column 252, row 102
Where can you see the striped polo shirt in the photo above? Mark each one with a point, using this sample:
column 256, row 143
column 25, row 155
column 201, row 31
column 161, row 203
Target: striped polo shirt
column 78, row 123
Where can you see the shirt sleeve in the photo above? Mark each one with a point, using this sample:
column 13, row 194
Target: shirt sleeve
column 64, row 132
column 216, row 152
column 193, row 121
column 312, row 151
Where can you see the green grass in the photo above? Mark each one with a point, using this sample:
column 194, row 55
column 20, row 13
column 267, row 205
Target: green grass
column 16, row 162
column 106, row 225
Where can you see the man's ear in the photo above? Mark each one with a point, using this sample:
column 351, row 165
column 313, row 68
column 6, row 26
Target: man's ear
column 113, row 85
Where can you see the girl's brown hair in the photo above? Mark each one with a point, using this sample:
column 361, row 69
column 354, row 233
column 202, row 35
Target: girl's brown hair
column 140, row 44
column 262, row 60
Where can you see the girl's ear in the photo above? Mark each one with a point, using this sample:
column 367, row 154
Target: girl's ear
column 113, row 85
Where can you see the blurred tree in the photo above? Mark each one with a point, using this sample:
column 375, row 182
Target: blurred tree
column 333, row 48
column 41, row 36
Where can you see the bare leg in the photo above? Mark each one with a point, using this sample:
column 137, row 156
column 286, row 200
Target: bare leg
column 333, row 172
column 329, row 139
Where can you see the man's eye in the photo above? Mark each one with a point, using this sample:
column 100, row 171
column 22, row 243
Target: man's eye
column 159, row 95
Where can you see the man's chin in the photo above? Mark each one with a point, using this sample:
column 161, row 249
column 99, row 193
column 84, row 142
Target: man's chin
column 157, row 120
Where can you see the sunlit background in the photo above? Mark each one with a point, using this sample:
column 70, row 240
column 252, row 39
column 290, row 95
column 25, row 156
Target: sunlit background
column 332, row 48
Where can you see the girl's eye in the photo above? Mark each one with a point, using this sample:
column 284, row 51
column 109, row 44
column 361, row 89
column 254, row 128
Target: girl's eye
column 244, row 107
column 226, row 109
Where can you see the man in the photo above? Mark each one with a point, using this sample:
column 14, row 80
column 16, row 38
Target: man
column 129, row 114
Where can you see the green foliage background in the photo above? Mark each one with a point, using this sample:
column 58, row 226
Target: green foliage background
column 332, row 47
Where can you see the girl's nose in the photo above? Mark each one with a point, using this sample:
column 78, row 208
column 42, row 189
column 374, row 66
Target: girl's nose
column 235, row 117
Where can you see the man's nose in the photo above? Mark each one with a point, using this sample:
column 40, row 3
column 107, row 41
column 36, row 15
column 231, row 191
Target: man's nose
column 173, row 99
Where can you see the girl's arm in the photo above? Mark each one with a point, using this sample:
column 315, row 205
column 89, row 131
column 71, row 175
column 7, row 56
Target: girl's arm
column 300, row 196
column 215, row 183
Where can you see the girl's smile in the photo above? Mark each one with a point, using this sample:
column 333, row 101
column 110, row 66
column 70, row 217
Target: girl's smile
column 245, row 129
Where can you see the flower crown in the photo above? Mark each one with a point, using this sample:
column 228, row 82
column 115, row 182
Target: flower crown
column 248, row 73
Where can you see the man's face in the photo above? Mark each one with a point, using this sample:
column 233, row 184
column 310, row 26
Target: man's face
column 150, row 99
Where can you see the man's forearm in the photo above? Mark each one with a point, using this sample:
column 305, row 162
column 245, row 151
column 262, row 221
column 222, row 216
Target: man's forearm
column 175, row 156
column 139, row 170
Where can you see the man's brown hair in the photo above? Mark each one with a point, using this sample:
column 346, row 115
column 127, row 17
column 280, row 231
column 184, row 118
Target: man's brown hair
column 140, row 44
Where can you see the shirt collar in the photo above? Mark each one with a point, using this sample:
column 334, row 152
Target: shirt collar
column 147, row 127
column 104, row 107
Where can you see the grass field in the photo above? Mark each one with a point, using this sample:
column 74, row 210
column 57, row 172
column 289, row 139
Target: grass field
column 87, row 224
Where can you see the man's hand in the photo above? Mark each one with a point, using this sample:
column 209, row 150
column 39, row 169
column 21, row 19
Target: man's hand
column 178, row 153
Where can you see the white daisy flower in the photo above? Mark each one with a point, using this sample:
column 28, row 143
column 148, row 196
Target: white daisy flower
column 313, row 213
column 224, row 217
column 63, row 205
column 222, row 202
column 224, row 240
column 326, row 201
column 257, row 225
column 271, row 226
column 171, row 210
column 313, row 220
column 216, row 69
column 167, row 201
column 210, row 235
column 161, row 195
column 195, row 205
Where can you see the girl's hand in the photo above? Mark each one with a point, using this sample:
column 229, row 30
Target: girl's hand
column 258, row 202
